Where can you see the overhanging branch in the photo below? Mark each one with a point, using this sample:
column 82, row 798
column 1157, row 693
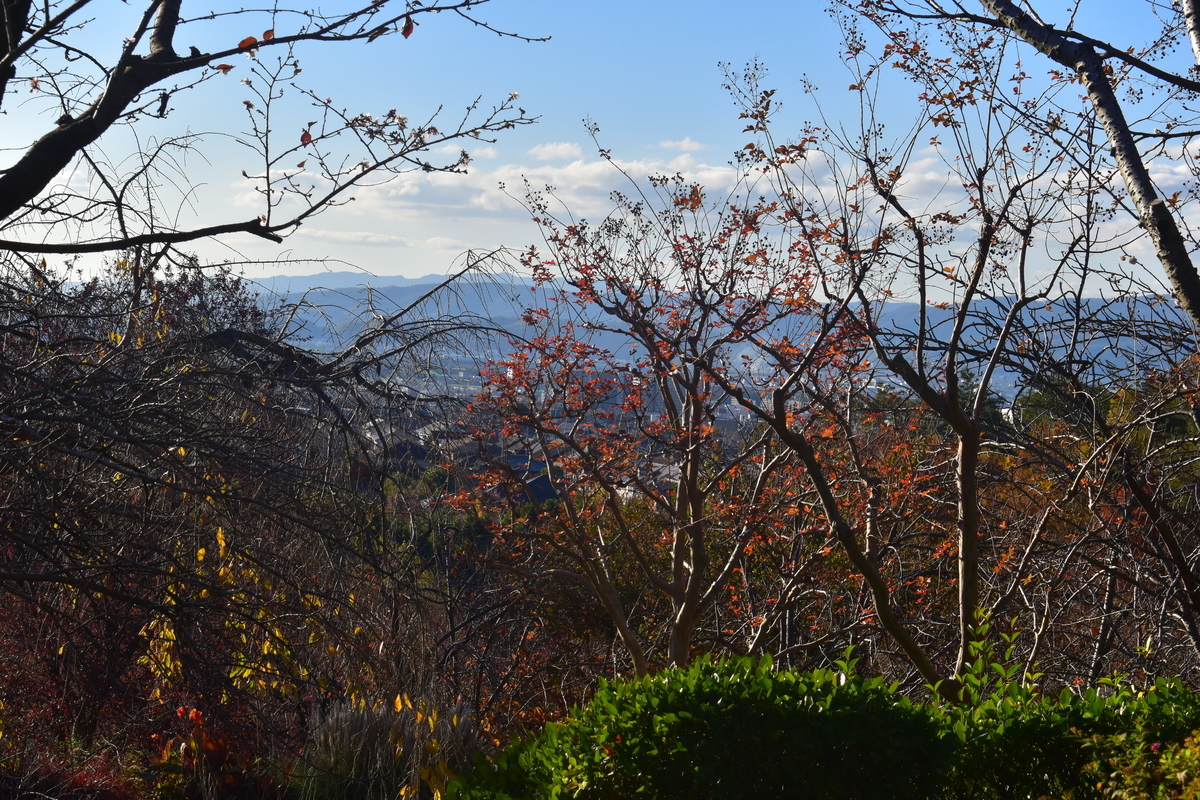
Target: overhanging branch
column 253, row 226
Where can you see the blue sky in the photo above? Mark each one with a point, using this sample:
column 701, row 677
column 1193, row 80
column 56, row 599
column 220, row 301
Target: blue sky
column 645, row 72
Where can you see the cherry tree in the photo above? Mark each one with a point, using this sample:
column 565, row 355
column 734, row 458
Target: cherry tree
column 898, row 347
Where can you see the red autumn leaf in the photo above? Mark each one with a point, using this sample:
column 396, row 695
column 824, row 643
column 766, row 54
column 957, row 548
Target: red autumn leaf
column 268, row 35
column 407, row 30
column 249, row 41
column 224, row 68
column 305, row 137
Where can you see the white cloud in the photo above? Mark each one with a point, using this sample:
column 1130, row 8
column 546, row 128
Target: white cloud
column 555, row 150
column 372, row 238
column 686, row 145
column 444, row 243
column 353, row 237
column 584, row 186
column 474, row 152
column 421, row 222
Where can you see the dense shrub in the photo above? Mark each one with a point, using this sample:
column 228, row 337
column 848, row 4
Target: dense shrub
column 738, row 729
column 1132, row 770
column 731, row 730
column 1010, row 741
column 97, row 774
column 1104, row 742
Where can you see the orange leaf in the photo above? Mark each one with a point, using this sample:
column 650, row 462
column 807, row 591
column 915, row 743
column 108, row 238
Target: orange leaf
column 268, row 35
column 305, row 137
column 224, row 68
column 249, row 41
column 407, row 30
column 302, row 163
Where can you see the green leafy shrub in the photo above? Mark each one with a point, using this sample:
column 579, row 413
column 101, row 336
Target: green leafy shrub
column 740, row 730
column 727, row 730
column 1148, row 758
column 1010, row 741
column 1136, row 771
column 1015, row 747
column 1013, row 742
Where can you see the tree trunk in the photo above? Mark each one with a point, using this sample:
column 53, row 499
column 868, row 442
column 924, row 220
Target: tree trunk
column 1155, row 216
column 968, row 544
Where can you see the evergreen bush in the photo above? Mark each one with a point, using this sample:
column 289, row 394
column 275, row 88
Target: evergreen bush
column 731, row 730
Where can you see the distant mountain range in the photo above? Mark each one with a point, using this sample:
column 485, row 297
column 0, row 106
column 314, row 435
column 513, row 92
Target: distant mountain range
column 334, row 306
column 1087, row 337
column 283, row 284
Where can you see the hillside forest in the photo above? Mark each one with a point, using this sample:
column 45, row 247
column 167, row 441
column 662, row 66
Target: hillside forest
column 935, row 435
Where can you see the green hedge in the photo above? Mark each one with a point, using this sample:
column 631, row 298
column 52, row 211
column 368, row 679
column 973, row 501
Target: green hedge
column 740, row 729
column 1018, row 744
column 732, row 730
column 1011, row 741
